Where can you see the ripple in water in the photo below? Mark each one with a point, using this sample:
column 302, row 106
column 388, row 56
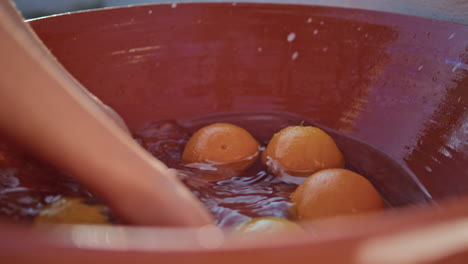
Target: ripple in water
column 231, row 200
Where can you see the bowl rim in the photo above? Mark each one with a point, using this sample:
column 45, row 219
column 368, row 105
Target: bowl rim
column 297, row 3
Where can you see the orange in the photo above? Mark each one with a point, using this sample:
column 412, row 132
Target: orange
column 221, row 146
column 72, row 211
column 301, row 151
column 335, row 192
column 268, row 225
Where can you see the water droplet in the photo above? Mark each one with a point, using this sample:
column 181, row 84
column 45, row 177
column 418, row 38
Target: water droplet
column 456, row 66
column 325, row 49
column 359, row 28
column 322, row 23
column 366, row 35
column 199, row 21
column 420, row 68
column 445, row 152
column 315, row 31
column 428, row 169
column 174, row 5
column 295, row 55
column 150, row 12
column 259, row 49
column 291, row 36
column 309, row 20
column 451, row 36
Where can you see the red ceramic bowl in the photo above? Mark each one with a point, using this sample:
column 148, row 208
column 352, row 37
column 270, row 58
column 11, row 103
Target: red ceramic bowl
column 396, row 82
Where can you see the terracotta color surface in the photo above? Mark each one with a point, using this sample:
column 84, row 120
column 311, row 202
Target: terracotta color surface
column 398, row 83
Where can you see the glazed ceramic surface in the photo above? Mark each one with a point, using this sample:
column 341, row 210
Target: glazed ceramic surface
column 396, row 82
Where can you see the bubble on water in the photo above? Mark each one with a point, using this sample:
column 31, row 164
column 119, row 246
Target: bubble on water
column 315, row 31
column 420, row 68
column 452, row 36
column 325, row 49
column 291, row 36
column 259, row 49
column 150, row 12
column 309, row 20
column 174, row 5
column 295, row 55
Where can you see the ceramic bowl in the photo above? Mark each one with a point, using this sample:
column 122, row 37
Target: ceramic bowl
column 395, row 82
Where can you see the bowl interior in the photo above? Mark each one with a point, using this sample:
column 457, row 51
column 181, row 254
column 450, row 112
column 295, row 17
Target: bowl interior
column 398, row 83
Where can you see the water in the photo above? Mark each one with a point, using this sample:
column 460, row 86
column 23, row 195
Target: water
column 26, row 185
column 295, row 55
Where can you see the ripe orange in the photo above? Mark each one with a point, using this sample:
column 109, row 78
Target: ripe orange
column 301, row 151
column 268, row 225
column 221, row 146
column 335, row 192
column 72, row 211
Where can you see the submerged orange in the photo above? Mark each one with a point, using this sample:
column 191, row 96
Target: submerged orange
column 301, row 151
column 335, row 192
column 222, row 145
